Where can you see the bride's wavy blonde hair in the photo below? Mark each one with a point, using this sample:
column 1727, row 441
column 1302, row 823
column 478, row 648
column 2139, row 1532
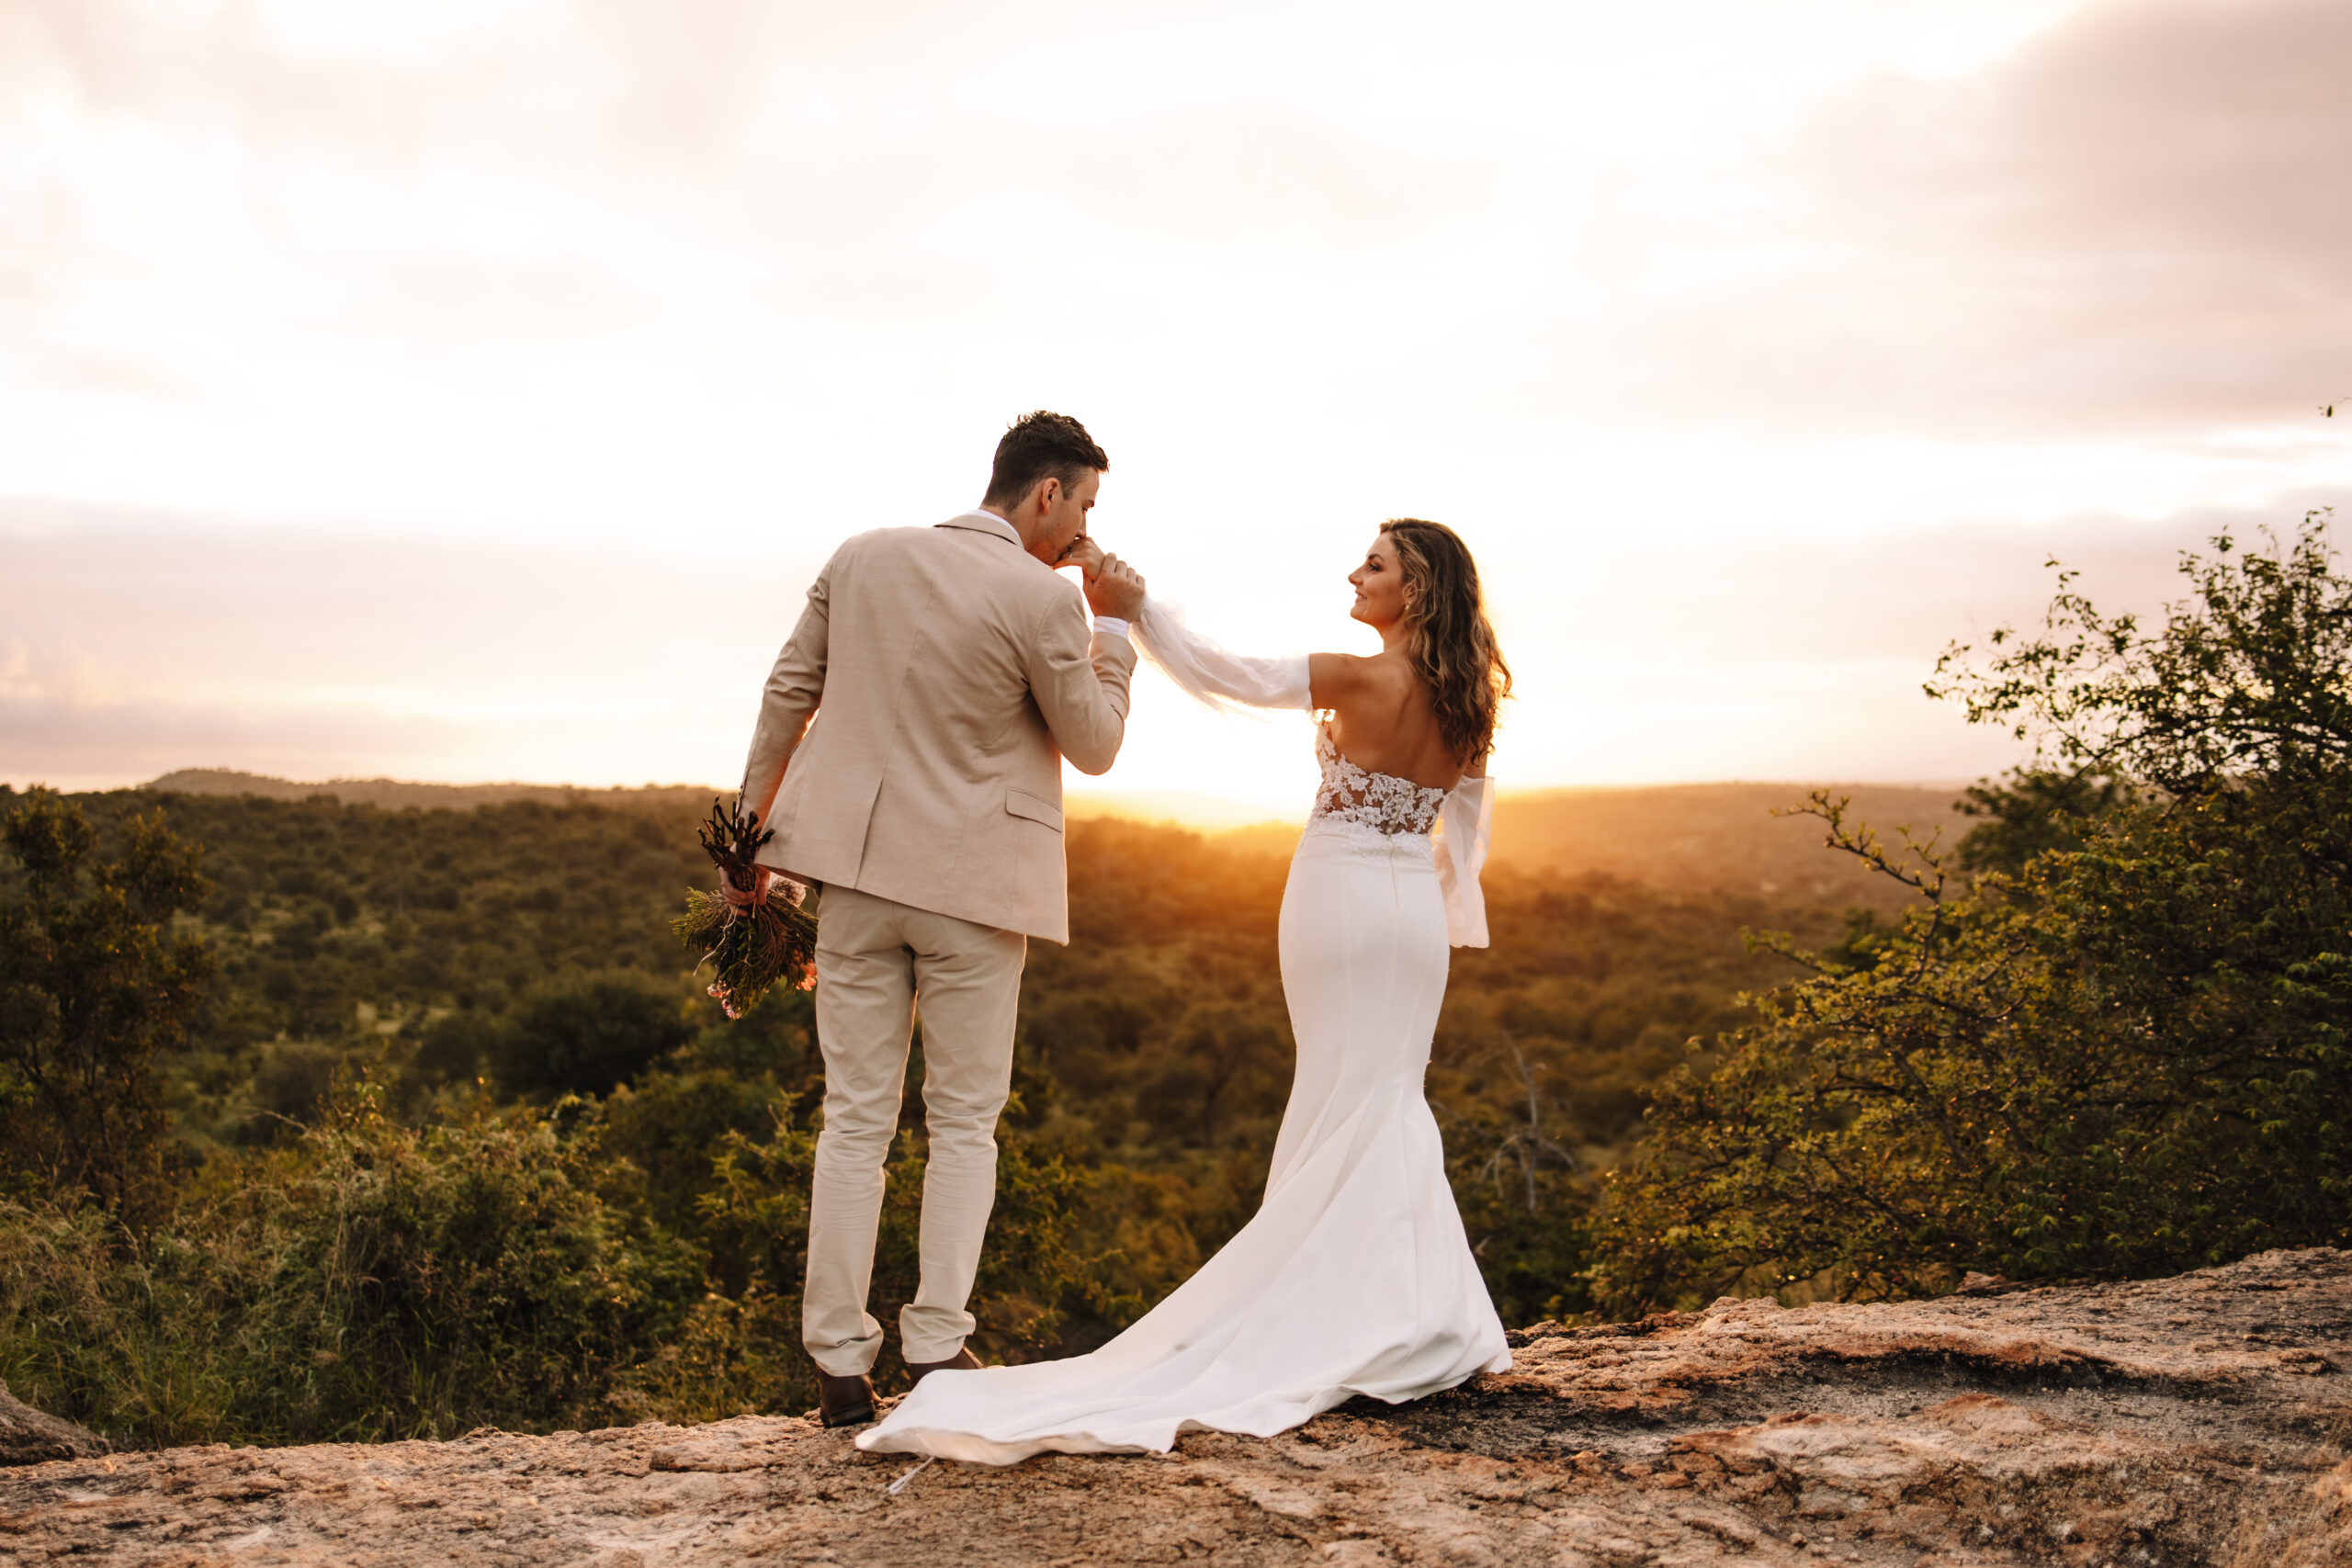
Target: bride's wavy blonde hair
column 1451, row 642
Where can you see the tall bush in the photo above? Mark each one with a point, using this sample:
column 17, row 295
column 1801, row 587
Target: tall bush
column 741, row 1349
column 2128, row 1054
column 368, row 1281
column 93, row 984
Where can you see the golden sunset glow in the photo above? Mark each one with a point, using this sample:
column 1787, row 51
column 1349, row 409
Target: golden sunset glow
column 462, row 392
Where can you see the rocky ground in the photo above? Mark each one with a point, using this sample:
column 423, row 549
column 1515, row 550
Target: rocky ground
column 2199, row 1420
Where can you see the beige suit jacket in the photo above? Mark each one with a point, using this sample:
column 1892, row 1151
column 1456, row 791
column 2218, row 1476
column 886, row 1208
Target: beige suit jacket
column 911, row 734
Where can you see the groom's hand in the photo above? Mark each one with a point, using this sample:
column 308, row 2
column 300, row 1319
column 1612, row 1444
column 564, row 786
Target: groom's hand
column 1114, row 589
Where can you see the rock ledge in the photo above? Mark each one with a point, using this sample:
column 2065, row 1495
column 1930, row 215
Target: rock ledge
column 2198, row 1420
column 30, row 1436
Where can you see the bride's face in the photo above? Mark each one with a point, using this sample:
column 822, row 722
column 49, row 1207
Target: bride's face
column 1380, row 585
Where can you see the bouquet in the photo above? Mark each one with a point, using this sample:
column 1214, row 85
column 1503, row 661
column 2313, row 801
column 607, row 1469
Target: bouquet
column 752, row 932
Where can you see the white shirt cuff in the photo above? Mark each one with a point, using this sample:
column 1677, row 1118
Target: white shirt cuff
column 1110, row 625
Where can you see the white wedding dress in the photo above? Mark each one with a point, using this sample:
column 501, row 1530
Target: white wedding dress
column 1354, row 1276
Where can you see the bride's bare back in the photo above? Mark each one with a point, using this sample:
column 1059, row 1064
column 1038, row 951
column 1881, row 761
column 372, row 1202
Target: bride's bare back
column 1381, row 717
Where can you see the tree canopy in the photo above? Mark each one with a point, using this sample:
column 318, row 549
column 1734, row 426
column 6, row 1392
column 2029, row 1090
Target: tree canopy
column 93, row 984
column 2120, row 1047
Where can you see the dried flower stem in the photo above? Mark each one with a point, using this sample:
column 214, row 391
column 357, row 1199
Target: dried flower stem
column 753, row 930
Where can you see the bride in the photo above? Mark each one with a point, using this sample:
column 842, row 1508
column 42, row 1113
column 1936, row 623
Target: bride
column 1354, row 1276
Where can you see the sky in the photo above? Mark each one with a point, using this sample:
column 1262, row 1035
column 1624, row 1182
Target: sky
column 469, row 391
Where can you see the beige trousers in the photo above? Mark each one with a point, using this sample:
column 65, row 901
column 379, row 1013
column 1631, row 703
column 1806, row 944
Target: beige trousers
column 877, row 962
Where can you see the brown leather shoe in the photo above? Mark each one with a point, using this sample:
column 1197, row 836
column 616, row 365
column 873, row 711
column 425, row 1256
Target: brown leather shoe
column 844, row 1402
column 962, row 1360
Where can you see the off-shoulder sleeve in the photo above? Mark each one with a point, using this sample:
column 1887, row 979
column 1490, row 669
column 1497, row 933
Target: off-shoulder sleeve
column 1213, row 676
column 1466, row 824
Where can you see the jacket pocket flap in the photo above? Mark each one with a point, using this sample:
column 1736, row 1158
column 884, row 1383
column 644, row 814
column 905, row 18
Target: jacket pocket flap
column 1021, row 802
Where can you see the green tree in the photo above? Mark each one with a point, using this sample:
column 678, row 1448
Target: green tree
column 2122, row 1049
column 1524, row 1198
column 2035, row 811
column 94, row 985
column 587, row 1036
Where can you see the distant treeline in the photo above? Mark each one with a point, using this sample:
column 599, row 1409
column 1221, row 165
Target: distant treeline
column 1740, row 838
column 394, row 794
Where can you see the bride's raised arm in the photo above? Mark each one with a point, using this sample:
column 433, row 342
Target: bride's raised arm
column 1211, row 673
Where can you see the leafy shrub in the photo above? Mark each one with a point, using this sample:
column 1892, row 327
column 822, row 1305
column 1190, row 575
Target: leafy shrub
column 512, row 1265
column 586, row 1036
column 368, row 1281
column 2128, row 1054
column 94, row 985
column 1036, row 1277
column 1525, row 1204
column 293, row 1082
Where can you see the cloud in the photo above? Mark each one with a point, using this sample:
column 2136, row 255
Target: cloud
column 1703, row 325
column 131, row 644
column 1498, row 220
column 2141, row 219
column 2136, row 220
column 110, row 745
column 694, row 71
column 2196, row 128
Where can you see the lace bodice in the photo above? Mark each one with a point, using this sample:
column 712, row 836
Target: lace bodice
column 1367, row 811
column 1354, row 798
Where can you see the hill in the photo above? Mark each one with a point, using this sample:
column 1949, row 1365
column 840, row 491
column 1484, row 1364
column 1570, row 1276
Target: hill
column 1718, row 837
column 1682, row 838
column 392, row 795
column 1697, row 839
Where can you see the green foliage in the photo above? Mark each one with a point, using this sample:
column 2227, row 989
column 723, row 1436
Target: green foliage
column 2125, row 1054
column 94, row 986
column 588, row 1035
column 2246, row 680
column 507, row 1265
column 353, row 926
column 368, row 1280
column 1524, row 1200
column 1034, row 1276
column 2036, row 811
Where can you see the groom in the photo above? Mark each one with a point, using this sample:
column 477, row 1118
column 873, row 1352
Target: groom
column 909, row 757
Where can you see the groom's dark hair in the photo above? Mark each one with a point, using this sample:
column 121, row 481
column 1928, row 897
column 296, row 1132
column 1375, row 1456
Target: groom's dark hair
column 1041, row 445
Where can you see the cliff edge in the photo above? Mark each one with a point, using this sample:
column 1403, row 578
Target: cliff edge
column 2196, row 1420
